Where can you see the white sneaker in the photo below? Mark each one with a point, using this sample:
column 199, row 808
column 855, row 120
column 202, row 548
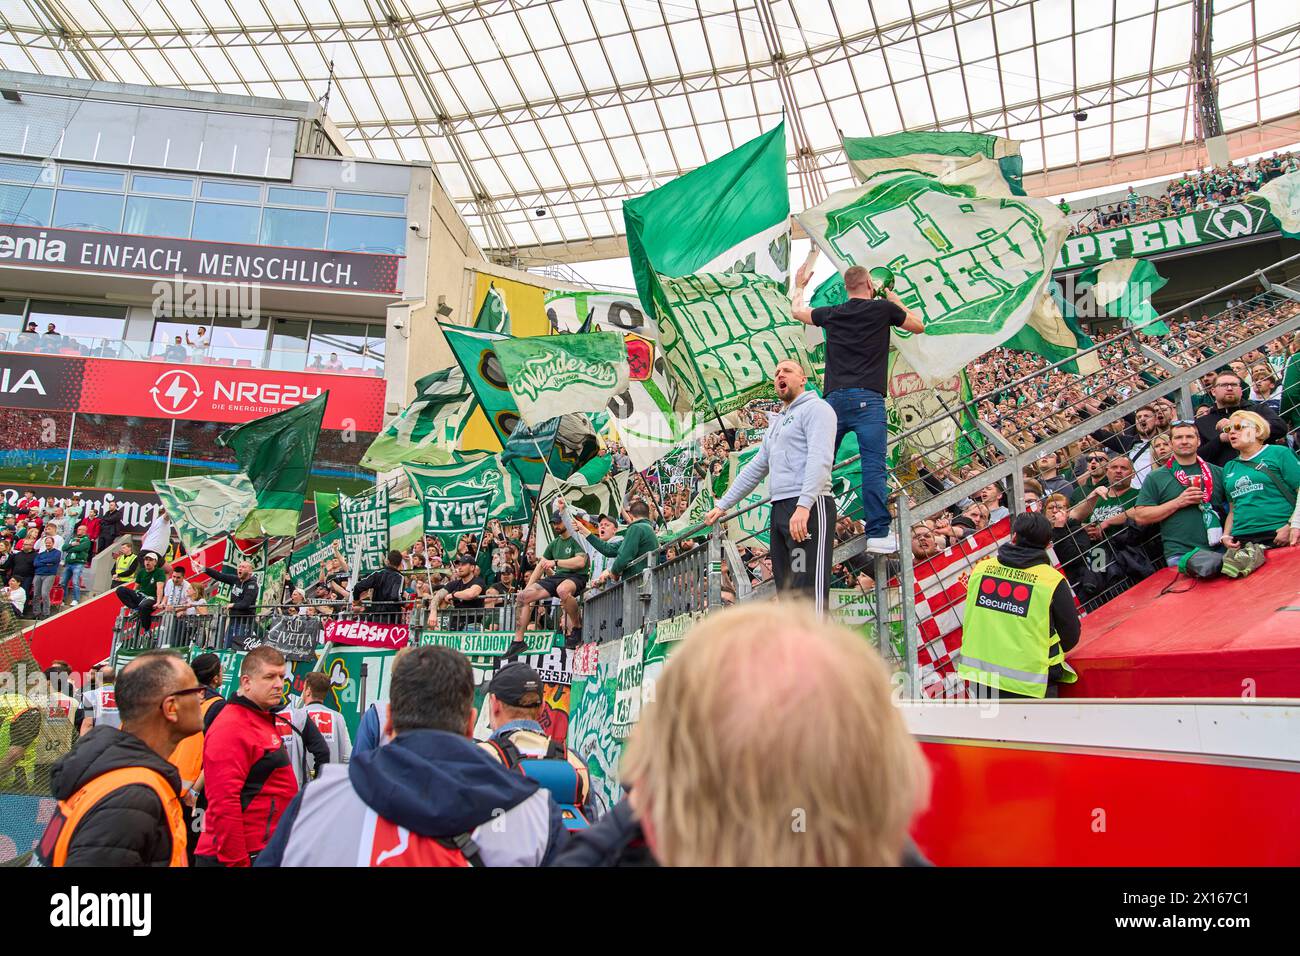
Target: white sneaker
column 886, row 545
column 73, row 604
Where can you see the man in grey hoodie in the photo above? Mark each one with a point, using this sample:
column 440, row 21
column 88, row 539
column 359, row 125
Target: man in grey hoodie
column 797, row 453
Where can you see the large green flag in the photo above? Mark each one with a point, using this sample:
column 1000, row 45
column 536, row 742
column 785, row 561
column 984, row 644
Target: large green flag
column 327, row 510
column 552, row 375
column 654, row 414
column 972, row 259
column 493, row 316
column 428, row 428
column 204, row 507
column 1122, row 288
column 711, row 255
column 469, row 474
column 934, row 153
column 276, row 452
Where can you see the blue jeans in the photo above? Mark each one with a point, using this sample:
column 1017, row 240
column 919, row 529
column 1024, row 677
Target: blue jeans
column 71, row 574
column 862, row 411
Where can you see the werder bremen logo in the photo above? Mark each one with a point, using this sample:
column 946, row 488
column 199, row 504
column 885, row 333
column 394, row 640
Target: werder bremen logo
column 968, row 263
column 1236, row 219
column 557, row 371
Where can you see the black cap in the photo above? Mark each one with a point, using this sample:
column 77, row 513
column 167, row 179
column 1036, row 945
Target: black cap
column 517, row 685
column 463, row 559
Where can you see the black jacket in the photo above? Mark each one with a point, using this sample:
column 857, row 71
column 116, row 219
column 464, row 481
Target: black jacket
column 385, row 587
column 1220, row 452
column 128, row 827
column 110, row 525
column 24, row 564
column 1064, row 616
column 243, row 594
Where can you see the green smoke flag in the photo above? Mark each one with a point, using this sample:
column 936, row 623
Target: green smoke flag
column 1123, row 288
column 405, row 522
column 654, row 414
column 711, row 255
column 448, row 517
column 552, row 375
column 206, row 506
column 492, row 314
column 276, row 453
column 1281, row 197
column 468, row 475
column 428, row 428
column 969, row 257
column 936, row 154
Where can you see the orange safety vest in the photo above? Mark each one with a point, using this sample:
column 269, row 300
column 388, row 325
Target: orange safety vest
column 83, row 801
column 188, row 755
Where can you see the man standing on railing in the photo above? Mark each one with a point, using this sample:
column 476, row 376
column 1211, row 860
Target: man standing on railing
column 797, row 453
column 857, row 364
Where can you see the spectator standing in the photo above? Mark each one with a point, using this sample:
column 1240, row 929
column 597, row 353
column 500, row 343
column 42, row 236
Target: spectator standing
column 110, row 527
column 1261, row 483
column 857, row 358
column 797, row 450
column 76, row 552
column 46, row 569
column 247, row 776
column 317, row 691
column 1227, row 400
column 386, row 587
column 119, row 798
column 24, row 569
column 243, row 602
column 1184, row 499
column 428, row 797
column 100, row 702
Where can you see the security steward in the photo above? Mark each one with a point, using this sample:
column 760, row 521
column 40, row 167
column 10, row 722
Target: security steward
column 21, row 721
column 1020, row 618
column 518, row 740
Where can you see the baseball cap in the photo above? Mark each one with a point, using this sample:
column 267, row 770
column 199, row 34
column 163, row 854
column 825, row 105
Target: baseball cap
column 517, row 684
column 463, row 559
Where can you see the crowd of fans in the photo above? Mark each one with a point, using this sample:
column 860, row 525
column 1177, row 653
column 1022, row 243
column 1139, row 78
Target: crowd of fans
column 1202, row 189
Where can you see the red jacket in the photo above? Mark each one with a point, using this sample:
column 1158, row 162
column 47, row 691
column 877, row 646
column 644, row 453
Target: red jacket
column 248, row 780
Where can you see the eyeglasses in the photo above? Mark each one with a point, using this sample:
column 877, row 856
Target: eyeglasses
column 1239, row 426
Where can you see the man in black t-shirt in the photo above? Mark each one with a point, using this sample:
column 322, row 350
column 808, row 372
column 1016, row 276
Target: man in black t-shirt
column 857, row 366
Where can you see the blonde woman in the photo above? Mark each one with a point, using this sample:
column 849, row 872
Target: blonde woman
column 1262, row 484
column 712, row 786
column 1162, row 449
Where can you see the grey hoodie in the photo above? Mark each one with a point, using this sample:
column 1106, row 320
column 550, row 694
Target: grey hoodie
column 797, row 453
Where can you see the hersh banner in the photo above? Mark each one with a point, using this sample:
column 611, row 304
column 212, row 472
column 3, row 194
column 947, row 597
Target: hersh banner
column 389, row 637
column 1226, row 221
column 194, row 259
column 200, row 393
column 365, row 527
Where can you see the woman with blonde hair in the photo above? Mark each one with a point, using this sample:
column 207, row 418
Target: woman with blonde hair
column 1262, row 484
column 771, row 740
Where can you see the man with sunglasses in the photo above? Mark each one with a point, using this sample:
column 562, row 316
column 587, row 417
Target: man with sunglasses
column 1229, row 398
column 1095, row 461
column 119, row 798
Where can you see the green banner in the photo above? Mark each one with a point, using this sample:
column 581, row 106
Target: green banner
column 305, row 564
column 449, row 517
column 365, row 528
column 552, row 375
column 1225, row 221
column 471, row 474
column 489, row 643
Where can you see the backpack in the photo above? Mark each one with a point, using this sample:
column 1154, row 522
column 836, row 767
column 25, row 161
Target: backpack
column 553, row 773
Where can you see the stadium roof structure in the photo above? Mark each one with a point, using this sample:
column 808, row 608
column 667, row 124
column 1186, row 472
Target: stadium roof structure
column 542, row 116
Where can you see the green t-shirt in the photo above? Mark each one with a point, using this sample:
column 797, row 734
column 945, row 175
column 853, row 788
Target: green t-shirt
column 1108, row 507
column 1084, row 489
column 146, row 581
column 562, row 548
column 1185, row 529
column 1257, row 503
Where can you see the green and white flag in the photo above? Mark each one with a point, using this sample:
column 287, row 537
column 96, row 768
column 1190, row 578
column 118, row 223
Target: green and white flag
column 493, row 316
column 204, row 507
column 1281, row 197
column 365, row 530
column 276, row 452
column 1122, row 288
column 654, row 414
column 950, row 431
column 553, row 375
column 711, row 255
column 327, row 510
column 604, row 496
column 405, row 522
column 471, row 474
column 694, row 514
column 936, row 154
column 448, row 517
column 969, row 257
column 427, row 430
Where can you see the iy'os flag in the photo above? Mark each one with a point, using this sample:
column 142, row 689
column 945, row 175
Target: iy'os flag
column 276, row 452
column 552, row 375
column 969, row 256
column 711, row 255
column 450, row 517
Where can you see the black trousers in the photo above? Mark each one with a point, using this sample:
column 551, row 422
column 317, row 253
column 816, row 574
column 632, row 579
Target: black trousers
column 134, row 600
column 804, row 567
